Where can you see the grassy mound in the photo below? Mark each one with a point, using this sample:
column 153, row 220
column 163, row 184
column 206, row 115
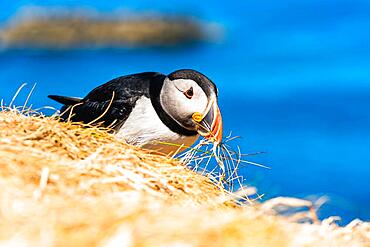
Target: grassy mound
column 65, row 185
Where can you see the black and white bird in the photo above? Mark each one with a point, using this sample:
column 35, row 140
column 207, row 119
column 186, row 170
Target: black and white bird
column 151, row 109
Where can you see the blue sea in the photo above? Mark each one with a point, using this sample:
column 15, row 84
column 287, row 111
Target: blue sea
column 293, row 76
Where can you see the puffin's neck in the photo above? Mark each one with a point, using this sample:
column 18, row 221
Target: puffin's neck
column 154, row 92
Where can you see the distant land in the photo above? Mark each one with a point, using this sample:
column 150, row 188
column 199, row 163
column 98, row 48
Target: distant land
column 61, row 29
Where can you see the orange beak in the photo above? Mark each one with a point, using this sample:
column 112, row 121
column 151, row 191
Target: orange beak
column 211, row 125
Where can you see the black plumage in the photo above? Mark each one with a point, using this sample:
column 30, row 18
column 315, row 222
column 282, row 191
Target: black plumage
column 111, row 103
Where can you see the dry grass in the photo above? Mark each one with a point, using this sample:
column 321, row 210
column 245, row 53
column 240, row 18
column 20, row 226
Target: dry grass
column 65, row 185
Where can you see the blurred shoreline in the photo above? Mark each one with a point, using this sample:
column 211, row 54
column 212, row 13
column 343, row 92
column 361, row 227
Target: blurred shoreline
column 60, row 28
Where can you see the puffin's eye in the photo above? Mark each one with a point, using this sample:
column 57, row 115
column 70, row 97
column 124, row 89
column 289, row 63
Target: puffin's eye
column 189, row 93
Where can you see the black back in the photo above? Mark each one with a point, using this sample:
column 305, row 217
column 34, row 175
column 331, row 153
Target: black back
column 101, row 105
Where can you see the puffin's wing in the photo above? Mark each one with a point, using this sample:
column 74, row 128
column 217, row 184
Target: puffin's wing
column 112, row 102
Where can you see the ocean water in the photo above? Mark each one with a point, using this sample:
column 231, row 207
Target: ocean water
column 293, row 76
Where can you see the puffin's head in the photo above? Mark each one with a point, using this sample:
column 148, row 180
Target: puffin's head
column 190, row 98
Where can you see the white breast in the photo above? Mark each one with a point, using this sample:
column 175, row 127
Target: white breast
column 144, row 128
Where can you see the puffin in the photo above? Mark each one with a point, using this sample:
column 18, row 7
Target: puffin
column 166, row 113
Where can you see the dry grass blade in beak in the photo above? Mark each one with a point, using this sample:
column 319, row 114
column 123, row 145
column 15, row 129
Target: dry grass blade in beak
column 210, row 125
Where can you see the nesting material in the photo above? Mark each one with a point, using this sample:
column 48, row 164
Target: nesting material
column 66, row 185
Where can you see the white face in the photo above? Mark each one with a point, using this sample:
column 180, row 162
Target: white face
column 181, row 98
